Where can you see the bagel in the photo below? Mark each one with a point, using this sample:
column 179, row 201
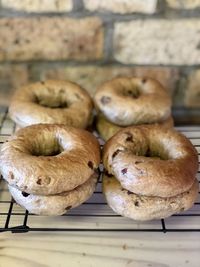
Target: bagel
column 151, row 160
column 59, row 102
column 129, row 101
column 144, row 208
column 55, row 204
column 107, row 129
column 49, row 159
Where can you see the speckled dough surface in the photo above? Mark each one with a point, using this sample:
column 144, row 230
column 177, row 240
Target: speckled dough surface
column 127, row 101
column 55, row 204
column 48, row 159
column 52, row 101
column 144, row 208
column 151, row 160
column 107, row 129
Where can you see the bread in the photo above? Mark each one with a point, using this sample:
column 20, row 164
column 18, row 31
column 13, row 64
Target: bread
column 107, row 129
column 144, row 208
column 51, row 101
column 49, row 159
column 55, row 204
column 151, row 160
column 129, row 101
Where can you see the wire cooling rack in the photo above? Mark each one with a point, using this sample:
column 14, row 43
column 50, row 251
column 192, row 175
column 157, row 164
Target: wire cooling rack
column 93, row 215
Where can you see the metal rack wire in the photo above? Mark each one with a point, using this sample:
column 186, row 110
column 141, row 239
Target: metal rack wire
column 93, row 215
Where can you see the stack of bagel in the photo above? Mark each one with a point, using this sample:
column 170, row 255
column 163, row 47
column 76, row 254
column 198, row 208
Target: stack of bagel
column 149, row 167
column 50, row 165
column 50, row 168
column 150, row 172
column 126, row 101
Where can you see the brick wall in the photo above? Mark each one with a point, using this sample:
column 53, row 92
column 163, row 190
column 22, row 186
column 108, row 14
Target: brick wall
column 90, row 41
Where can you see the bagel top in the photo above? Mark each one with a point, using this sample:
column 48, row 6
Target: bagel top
column 127, row 101
column 151, row 160
column 49, row 159
column 51, row 101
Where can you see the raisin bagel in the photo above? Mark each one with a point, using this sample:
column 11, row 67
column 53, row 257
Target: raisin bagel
column 129, row 101
column 144, row 208
column 49, row 159
column 52, row 101
column 151, row 160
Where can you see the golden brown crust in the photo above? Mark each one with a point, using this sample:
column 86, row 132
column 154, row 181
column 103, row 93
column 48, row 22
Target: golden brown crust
column 143, row 208
column 52, row 101
column 27, row 160
column 55, row 204
column 126, row 101
column 107, row 129
column 151, row 160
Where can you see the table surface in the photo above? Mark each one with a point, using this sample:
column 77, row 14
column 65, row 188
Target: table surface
column 141, row 244
column 100, row 249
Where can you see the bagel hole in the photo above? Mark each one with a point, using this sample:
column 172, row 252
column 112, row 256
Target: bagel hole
column 48, row 147
column 156, row 152
column 49, row 103
column 133, row 92
column 47, row 153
